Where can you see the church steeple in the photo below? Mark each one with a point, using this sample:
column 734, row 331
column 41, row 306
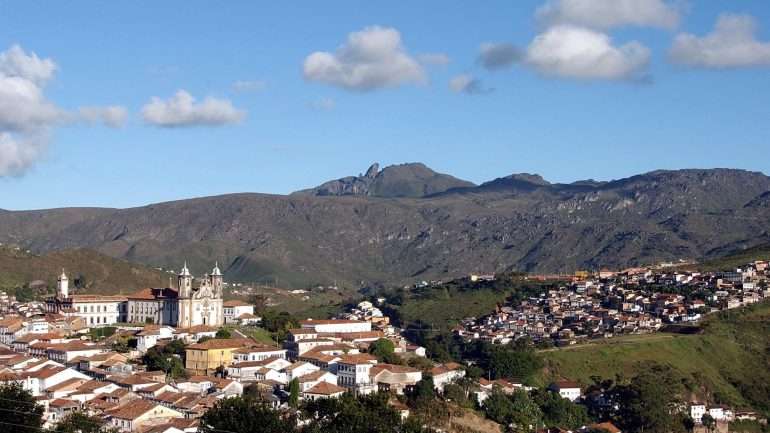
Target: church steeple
column 184, row 282
column 217, row 280
column 62, row 285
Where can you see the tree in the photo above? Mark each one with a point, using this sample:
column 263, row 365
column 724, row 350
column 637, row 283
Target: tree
column 348, row 414
column 223, row 333
column 526, row 413
column 708, row 421
column 498, row 407
column 384, row 350
column 19, row 411
column 294, row 393
column 648, row 402
column 422, row 393
column 560, row 412
column 80, row 422
column 458, row 394
column 166, row 359
column 245, row 415
column 506, row 362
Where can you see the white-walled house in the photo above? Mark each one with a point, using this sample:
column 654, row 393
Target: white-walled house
column 137, row 414
column 336, row 326
column 150, row 335
column 567, row 389
column 234, row 309
column 697, row 410
column 353, row 372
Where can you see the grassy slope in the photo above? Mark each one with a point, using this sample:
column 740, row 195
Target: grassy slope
column 732, row 349
column 102, row 274
column 443, row 306
column 737, row 259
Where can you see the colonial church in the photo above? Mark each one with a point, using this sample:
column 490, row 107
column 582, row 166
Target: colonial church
column 201, row 305
column 187, row 305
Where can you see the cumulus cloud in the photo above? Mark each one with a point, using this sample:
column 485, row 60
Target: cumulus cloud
column 576, row 52
column 468, row 84
column 243, row 86
column 732, row 44
column 19, row 153
column 372, row 58
column 182, row 110
column 606, row 14
column 498, row 55
column 15, row 62
column 27, row 116
column 433, row 59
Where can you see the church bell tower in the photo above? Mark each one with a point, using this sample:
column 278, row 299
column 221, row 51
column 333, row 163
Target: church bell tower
column 63, row 285
column 184, row 282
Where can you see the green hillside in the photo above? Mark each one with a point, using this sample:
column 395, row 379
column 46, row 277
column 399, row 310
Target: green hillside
column 444, row 305
column 737, row 259
column 728, row 362
column 30, row 275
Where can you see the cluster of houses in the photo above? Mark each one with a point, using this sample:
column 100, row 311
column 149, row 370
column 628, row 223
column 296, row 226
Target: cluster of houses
column 68, row 374
column 53, row 356
column 608, row 304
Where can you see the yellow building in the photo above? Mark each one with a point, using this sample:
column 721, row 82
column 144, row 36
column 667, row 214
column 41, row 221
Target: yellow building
column 206, row 357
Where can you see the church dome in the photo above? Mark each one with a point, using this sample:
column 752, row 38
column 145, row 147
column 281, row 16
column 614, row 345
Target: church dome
column 185, row 272
column 216, row 272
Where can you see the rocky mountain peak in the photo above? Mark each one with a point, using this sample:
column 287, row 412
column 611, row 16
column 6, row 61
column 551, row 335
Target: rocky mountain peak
column 402, row 180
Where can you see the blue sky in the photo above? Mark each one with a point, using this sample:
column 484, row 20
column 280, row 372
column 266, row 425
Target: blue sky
column 296, row 125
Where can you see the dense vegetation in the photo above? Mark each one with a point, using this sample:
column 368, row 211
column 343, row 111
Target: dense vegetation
column 728, row 362
column 89, row 272
column 168, row 358
column 348, row 414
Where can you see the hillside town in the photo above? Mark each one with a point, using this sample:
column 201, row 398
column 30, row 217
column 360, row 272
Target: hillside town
column 607, row 304
column 57, row 350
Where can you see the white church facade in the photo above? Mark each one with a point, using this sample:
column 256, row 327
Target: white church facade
column 187, row 305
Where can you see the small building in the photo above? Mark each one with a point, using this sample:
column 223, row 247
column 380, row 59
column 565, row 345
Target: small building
column 323, row 390
column 567, row 389
column 233, row 310
column 140, row 413
column 205, row 358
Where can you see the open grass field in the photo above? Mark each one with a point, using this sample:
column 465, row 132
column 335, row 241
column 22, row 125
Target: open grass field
column 726, row 361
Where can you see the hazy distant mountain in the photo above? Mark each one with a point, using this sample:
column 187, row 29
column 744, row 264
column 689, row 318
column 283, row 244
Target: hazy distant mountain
column 404, row 180
column 519, row 222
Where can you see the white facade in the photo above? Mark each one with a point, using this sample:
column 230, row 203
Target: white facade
column 697, row 411
column 201, row 306
column 149, row 338
column 354, row 373
column 234, row 309
column 337, row 326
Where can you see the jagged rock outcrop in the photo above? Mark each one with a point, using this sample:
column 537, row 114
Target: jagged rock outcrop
column 404, row 180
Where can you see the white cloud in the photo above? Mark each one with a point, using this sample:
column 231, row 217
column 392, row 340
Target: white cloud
column 27, row 116
column 15, row 62
column 243, row 86
column 434, row 59
column 498, row 55
column 370, row 59
column 606, row 14
column 575, row 52
column 466, row 83
column 113, row 116
column 732, row 44
column 18, row 154
column 323, row 104
column 182, row 110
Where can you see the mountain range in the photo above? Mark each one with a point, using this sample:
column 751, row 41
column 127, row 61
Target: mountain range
column 405, row 223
